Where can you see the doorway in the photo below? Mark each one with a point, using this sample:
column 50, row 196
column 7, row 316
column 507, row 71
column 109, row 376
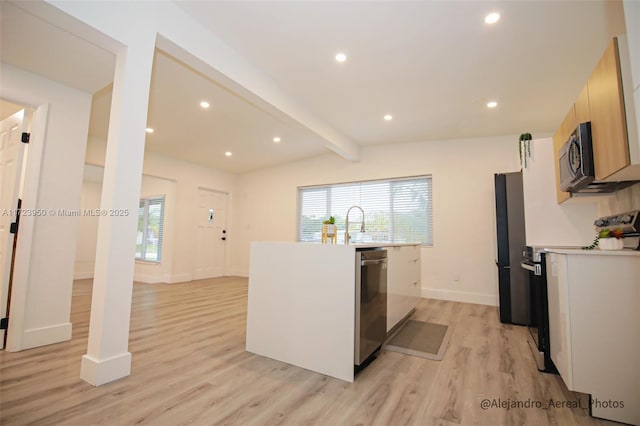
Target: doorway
column 13, row 128
column 211, row 234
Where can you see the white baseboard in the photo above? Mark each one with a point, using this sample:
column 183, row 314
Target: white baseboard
column 82, row 275
column 100, row 371
column 202, row 276
column 46, row 335
column 460, row 296
column 180, row 278
column 83, row 270
column 238, row 273
column 151, row 278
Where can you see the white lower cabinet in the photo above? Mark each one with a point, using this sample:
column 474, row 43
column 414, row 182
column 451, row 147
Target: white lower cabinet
column 559, row 337
column 594, row 328
column 403, row 282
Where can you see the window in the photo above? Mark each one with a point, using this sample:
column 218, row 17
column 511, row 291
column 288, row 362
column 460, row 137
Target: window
column 396, row 210
column 150, row 224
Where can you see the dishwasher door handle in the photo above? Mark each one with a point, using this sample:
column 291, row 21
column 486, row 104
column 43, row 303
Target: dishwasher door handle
column 373, row 262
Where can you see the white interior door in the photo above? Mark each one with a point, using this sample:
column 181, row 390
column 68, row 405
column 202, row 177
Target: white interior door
column 11, row 156
column 210, row 249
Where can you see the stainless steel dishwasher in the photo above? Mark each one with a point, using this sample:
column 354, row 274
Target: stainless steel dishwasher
column 371, row 302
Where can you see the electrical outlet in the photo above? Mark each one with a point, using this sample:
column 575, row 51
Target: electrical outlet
column 456, row 276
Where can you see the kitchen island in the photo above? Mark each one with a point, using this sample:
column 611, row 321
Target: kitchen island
column 301, row 307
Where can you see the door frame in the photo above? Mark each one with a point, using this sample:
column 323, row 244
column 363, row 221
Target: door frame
column 31, row 187
column 14, row 203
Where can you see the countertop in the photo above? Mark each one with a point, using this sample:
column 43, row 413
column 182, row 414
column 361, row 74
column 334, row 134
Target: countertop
column 594, row 252
column 369, row 245
column 354, row 245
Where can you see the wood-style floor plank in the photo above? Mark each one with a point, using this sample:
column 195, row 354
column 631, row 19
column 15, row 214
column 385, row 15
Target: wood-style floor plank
column 190, row 368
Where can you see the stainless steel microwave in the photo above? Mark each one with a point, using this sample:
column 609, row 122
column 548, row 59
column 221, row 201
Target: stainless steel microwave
column 576, row 160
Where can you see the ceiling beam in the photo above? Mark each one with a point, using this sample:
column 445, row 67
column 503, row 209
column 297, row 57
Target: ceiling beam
column 180, row 35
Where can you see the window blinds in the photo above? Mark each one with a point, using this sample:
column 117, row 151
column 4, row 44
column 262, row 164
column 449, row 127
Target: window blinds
column 396, row 210
column 150, row 229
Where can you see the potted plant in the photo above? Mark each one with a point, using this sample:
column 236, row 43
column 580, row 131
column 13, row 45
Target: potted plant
column 608, row 239
column 525, row 149
column 329, row 230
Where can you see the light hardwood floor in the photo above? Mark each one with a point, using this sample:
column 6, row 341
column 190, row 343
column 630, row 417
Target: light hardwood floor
column 190, row 367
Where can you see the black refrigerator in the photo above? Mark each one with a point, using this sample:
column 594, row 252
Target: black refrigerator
column 513, row 285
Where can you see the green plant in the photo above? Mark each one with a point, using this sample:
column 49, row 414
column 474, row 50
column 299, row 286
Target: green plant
column 610, row 233
column 330, row 221
column 604, row 233
column 525, row 148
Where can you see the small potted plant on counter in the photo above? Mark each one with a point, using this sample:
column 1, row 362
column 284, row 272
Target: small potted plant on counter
column 329, row 230
column 610, row 239
column 607, row 239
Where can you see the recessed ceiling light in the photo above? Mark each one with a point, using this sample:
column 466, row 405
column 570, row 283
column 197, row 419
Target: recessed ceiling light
column 341, row 57
column 149, row 130
column 492, row 104
column 276, row 139
column 205, row 104
column 492, row 18
column 388, row 117
column 228, row 153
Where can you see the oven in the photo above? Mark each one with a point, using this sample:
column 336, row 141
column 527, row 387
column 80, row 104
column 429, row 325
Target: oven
column 533, row 262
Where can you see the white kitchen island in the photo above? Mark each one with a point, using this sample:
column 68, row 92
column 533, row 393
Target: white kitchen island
column 301, row 307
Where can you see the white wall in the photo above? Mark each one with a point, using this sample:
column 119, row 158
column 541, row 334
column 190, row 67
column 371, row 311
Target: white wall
column 547, row 222
column 179, row 181
column 148, row 272
column 265, row 206
column 43, row 278
column 622, row 201
column 87, row 231
column 569, row 223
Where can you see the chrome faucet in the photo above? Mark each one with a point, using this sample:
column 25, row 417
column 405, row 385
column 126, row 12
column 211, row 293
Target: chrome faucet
column 347, row 237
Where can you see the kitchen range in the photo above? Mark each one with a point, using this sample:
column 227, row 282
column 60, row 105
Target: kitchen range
column 628, row 226
column 534, row 263
column 563, row 283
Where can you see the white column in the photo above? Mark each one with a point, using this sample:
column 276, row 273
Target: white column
column 107, row 357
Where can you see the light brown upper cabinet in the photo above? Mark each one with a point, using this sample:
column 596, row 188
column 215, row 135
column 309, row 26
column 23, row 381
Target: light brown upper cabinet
column 559, row 138
column 583, row 110
column 608, row 122
column 601, row 102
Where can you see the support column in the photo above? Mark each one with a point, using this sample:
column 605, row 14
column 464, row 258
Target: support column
column 107, row 358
